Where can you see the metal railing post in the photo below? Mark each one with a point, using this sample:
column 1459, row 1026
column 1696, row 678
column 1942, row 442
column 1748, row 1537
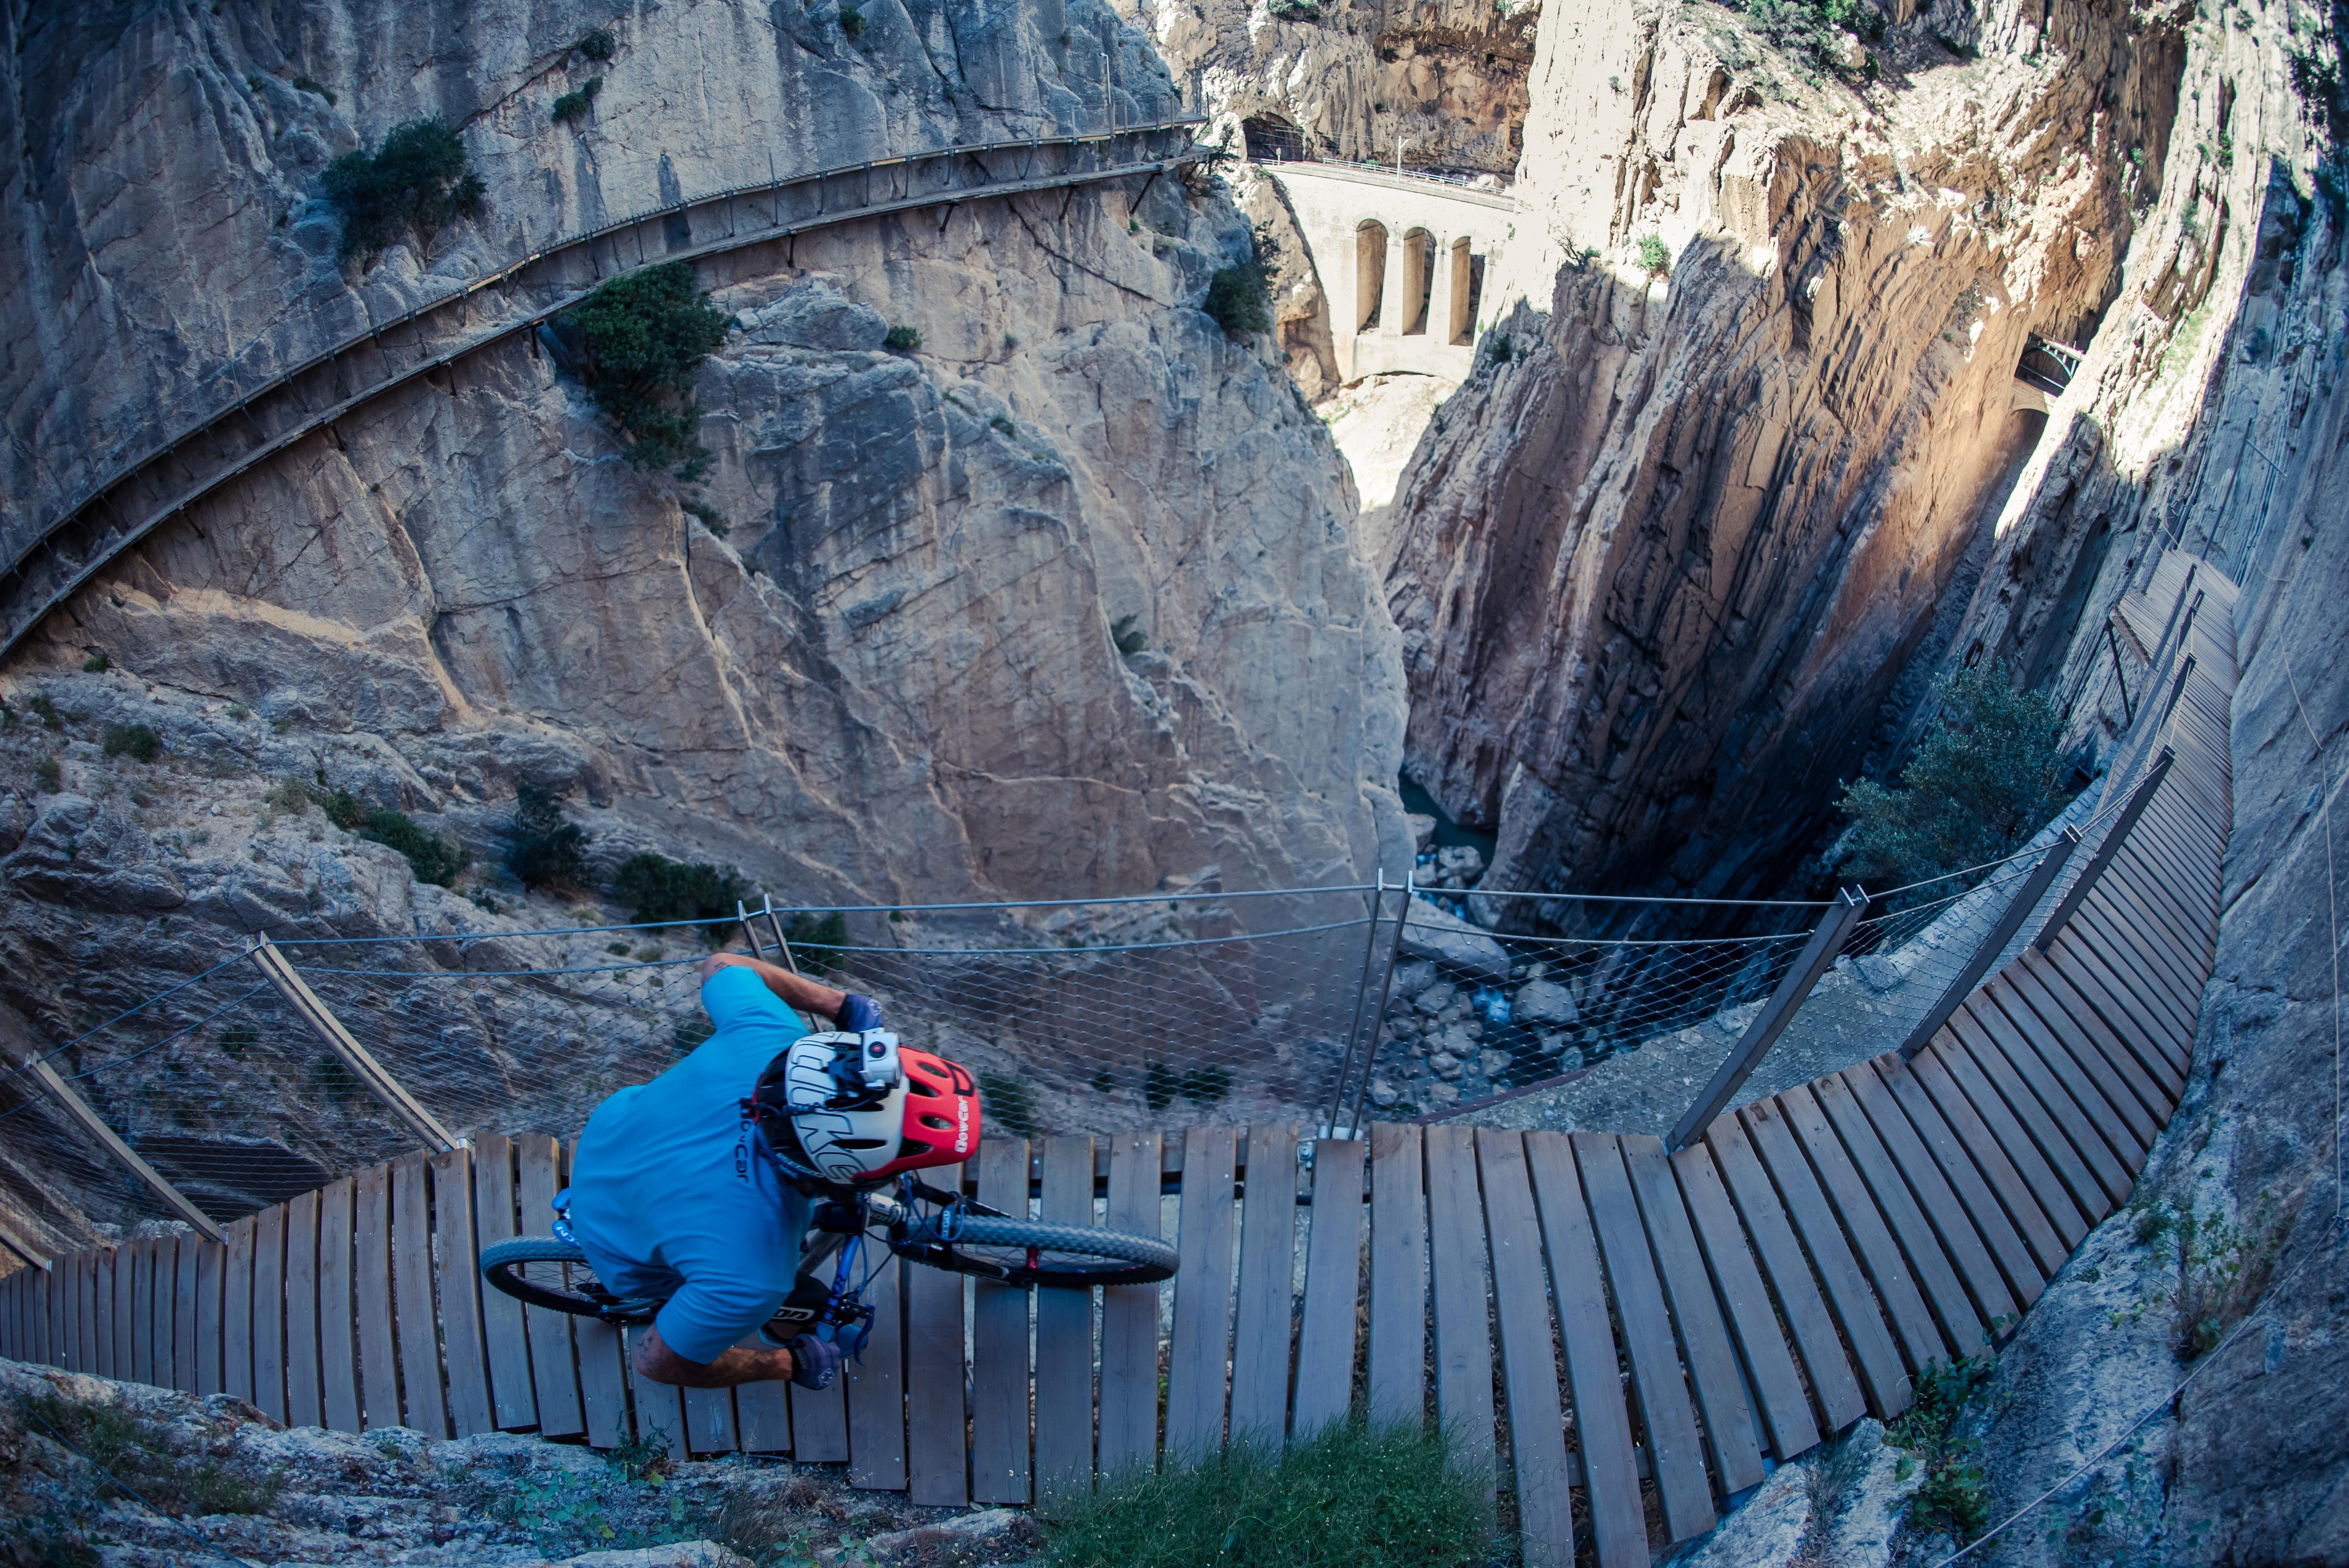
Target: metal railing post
column 1827, row 940
column 1994, row 943
column 1371, row 1058
column 339, row 1041
column 2140, row 798
column 95, row 1125
column 750, row 935
column 1362, row 989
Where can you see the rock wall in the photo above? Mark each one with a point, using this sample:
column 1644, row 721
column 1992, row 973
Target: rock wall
column 1661, row 560
column 1354, row 77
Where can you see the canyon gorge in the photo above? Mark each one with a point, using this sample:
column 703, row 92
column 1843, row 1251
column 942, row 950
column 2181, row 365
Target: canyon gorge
column 1782, row 364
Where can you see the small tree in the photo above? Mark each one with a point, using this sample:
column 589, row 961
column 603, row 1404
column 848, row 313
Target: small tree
column 548, row 852
column 1655, row 256
column 642, row 339
column 655, row 888
column 414, row 184
column 1984, row 778
column 1235, row 298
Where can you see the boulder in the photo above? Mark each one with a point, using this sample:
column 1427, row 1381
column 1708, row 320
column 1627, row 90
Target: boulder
column 1383, row 1094
column 1422, row 831
column 80, row 852
column 1410, row 979
column 1466, row 862
column 1493, row 1062
column 1437, row 998
column 1545, row 1005
column 1446, row 1066
column 1443, row 938
column 1001, row 1525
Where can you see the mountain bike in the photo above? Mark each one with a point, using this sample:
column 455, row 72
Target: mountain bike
column 921, row 1224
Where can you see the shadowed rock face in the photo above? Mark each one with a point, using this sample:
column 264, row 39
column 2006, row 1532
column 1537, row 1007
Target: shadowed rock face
column 1657, row 569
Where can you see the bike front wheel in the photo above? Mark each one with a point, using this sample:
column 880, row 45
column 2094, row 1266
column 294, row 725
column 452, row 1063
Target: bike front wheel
column 555, row 1274
column 1030, row 1252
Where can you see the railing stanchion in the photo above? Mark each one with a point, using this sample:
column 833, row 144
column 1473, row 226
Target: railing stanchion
column 1827, row 940
column 2140, row 798
column 339, row 1041
column 1377, row 1016
column 1994, row 943
column 1361, row 986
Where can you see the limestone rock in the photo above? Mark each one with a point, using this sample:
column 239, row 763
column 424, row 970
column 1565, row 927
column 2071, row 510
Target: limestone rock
column 1545, row 1004
column 79, row 852
column 1437, row 998
column 1383, row 1094
column 1443, row 938
column 1446, row 1066
column 1422, row 831
column 1491, row 1062
column 992, row 1526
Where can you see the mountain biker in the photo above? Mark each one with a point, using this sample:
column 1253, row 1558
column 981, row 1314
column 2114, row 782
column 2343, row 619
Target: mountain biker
column 701, row 1186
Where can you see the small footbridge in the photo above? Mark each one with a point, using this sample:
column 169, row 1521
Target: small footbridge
column 1621, row 1328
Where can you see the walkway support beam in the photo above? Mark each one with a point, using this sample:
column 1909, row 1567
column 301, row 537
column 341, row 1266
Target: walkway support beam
column 2140, row 798
column 1827, row 940
column 95, row 1125
column 1994, row 943
column 305, row 1002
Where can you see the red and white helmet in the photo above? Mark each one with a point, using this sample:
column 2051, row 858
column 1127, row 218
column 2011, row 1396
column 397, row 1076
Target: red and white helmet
column 856, row 1109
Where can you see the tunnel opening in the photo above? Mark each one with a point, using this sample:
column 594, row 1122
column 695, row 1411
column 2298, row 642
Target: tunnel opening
column 1271, row 139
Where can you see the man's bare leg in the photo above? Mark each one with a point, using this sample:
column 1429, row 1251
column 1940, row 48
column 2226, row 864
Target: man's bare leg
column 742, row 1363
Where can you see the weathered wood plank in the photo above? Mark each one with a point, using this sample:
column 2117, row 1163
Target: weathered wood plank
column 236, row 1324
column 1529, row 1365
column 338, row 1360
column 710, row 1418
column 1328, row 1333
column 1463, row 1334
column 1996, row 1076
column 1064, row 1339
column 269, row 1311
column 1260, row 1333
column 372, row 1303
column 2060, row 1129
column 937, row 1442
column 1398, row 1349
column 1785, row 1409
column 506, row 1339
column 1730, row 1433
column 1129, row 1368
column 2093, row 1082
column 417, row 1325
column 1948, row 1071
column 457, row 1272
column 554, row 1374
column 1859, row 1094
column 125, row 1318
column 212, row 1267
column 1986, row 1197
column 659, row 1408
column 1602, row 1423
column 305, row 1395
column 139, row 1261
column 1199, row 1354
column 999, row 1349
column 871, row 1412
column 1674, row 1451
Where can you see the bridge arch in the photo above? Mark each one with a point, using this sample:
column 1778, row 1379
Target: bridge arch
column 1418, row 279
column 1370, row 272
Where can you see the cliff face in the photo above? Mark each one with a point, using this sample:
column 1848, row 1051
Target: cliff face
column 1354, row 77
column 895, row 671
column 1659, row 563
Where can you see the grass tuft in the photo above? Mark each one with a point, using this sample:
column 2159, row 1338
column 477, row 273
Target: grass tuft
column 1954, row 1498
column 1354, row 1496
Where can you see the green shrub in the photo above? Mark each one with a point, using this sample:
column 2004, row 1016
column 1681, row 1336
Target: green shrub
column 313, row 85
column 642, row 338
column 1237, row 299
column 548, row 852
column 595, row 45
column 901, row 340
column 711, row 518
column 50, row 717
column 137, row 741
column 1352, row 1496
column 1497, row 349
column 1207, row 1086
column 1955, row 1497
column 574, row 105
column 1160, row 1085
column 1982, row 781
column 2220, row 1270
column 656, row 888
column 415, row 185
column 852, row 20
column 433, row 857
column 49, row 776
column 1808, row 27
column 1008, row 1105
column 98, row 664
column 1655, row 256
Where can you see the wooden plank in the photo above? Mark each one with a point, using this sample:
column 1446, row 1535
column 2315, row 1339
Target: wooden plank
column 2003, row 1078
column 1951, row 1216
column 1199, row 1353
column 183, row 1314
column 2127, row 1126
column 339, row 1358
column 2166, row 897
column 304, row 1398
column 869, row 1413
column 1260, row 1333
column 2085, row 1112
column 126, row 1271
column 1463, row 1336
column 1328, row 1333
column 659, row 1406
column 710, row 1418
column 1858, row 1313
column 762, row 1415
column 998, row 1345
column 2005, row 1215
column 372, row 1304
column 1529, row 1365
column 1398, row 1349
column 139, row 1259
column 2127, row 1012
column 236, row 1321
column 416, row 1325
column 1064, row 1339
column 1785, row 1407
column 506, row 1339
column 937, row 1442
column 456, row 1270
column 1899, row 1209
column 2147, row 982
column 90, row 1336
column 1675, row 1454
column 1129, row 1368
column 2025, row 1078
column 602, row 1353
column 1731, row 1438
column 1965, row 1096
column 1602, row 1424
column 212, row 1269
column 554, row 1363
column 51, row 1291
column 269, row 1311
column 162, row 1289
column 2093, row 1041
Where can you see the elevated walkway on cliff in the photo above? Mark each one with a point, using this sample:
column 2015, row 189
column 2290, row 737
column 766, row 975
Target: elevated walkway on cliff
column 254, row 421
column 1623, row 1331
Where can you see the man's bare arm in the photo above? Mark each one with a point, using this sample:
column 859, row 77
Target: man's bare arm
column 796, row 989
column 742, row 1363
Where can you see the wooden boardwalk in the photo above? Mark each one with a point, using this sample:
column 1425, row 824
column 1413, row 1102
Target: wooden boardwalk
column 1624, row 1333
